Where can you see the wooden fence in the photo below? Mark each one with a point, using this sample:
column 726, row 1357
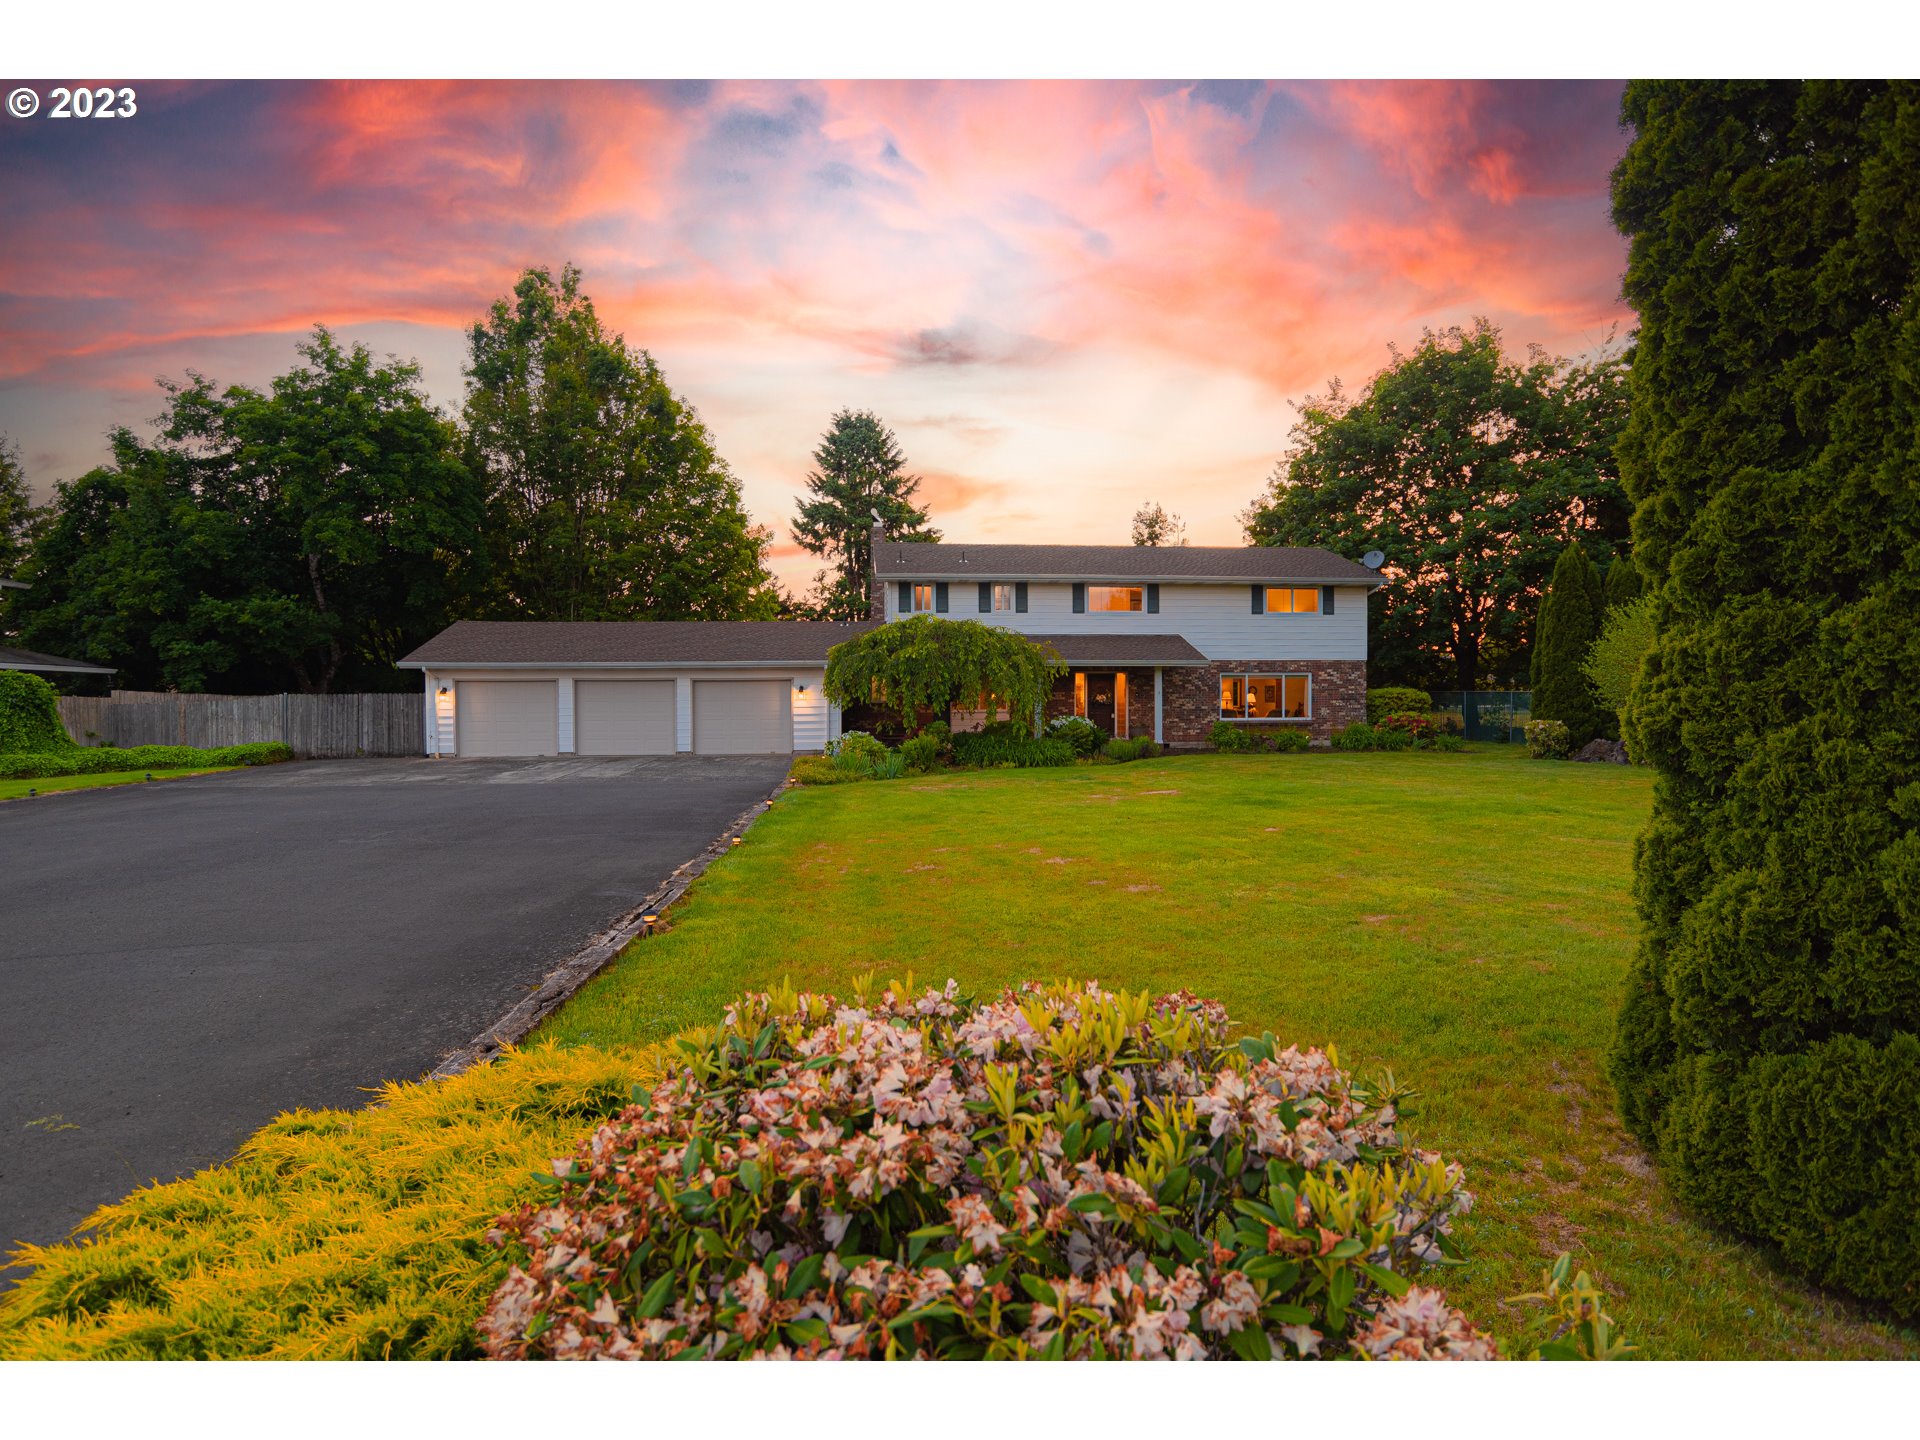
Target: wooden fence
column 315, row 726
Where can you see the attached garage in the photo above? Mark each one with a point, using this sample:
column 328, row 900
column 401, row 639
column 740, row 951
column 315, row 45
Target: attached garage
column 742, row 717
column 623, row 717
column 508, row 717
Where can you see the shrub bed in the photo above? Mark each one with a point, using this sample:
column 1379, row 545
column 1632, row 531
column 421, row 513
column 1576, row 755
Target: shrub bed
column 988, row 749
column 1231, row 739
column 1403, row 731
column 30, row 716
column 1397, row 700
column 1082, row 734
column 333, row 1234
column 1548, row 740
column 1060, row 1173
column 79, row 761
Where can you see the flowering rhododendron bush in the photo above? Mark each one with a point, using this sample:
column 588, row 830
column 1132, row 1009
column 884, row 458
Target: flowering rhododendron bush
column 1059, row 1173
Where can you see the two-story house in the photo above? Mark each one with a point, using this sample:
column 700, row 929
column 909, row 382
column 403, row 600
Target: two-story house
column 1159, row 642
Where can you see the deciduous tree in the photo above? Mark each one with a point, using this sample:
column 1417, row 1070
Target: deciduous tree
column 302, row 537
column 859, row 469
column 1471, row 471
column 927, row 663
column 606, row 499
column 1153, row 524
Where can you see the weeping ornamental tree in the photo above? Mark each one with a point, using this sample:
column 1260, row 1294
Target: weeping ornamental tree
column 1569, row 624
column 1767, row 1045
column 931, row 664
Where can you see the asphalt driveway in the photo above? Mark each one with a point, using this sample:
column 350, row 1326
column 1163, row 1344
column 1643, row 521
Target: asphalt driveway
column 180, row 962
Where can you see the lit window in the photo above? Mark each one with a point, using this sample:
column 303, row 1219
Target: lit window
column 1080, row 693
column 1115, row 597
column 1003, row 597
column 922, row 598
column 1266, row 697
column 1304, row 601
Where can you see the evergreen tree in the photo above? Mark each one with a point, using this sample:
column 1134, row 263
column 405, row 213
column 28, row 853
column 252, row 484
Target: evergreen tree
column 859, row 469
column 1569, row 623
column 1768, row 1048
column 606, row 499
column 1623, row 583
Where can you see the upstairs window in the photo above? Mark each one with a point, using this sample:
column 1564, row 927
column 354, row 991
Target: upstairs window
column 1282, row 601
column 923, row 599
column 1116, row 597
column 1003, row 597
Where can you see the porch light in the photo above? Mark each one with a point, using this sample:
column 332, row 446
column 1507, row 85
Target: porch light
column 800, row 688
column 443, row 690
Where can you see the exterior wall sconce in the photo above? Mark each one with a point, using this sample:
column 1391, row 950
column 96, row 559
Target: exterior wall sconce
column 444, row 690
column 801, row 687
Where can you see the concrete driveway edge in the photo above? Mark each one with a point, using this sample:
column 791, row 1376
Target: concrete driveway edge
column 576, row 970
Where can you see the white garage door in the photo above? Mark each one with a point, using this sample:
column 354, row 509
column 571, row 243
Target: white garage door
column 505, row 717
column 742, row 717
column 623, row 717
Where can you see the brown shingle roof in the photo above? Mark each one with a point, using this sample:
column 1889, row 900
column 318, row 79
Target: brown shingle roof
column 904, row 560
column 633, row 642
column 13, row 658
column 1123, row 649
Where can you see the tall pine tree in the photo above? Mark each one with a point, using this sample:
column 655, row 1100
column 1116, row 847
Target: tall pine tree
column 1569, row 624
column 859, row 468
column 1769, row 1045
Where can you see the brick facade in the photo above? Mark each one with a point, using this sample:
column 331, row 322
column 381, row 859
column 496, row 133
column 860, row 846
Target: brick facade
column 1190, row 697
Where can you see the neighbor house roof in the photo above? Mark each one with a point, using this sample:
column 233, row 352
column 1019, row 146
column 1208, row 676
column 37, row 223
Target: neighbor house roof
column 895, row 559
column 633, row 642
column 1122, row 650
column 16, row 659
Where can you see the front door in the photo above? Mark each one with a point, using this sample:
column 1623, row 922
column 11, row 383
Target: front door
column 1100, row 700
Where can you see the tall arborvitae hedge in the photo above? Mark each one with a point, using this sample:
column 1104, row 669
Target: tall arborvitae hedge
column 1569, row 623
column 1622, row 583
column 1767, row 1045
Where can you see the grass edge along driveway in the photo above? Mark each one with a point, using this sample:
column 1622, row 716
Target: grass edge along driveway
column 1465, row 920
column 17, row 789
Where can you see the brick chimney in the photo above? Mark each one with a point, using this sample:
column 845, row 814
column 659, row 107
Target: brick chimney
column 876, row 593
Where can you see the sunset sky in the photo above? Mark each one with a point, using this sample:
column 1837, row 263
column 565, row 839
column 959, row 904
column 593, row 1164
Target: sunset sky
column 1066, row 298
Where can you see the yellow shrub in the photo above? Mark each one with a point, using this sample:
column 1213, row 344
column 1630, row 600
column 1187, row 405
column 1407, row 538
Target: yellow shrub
column 333, row 1234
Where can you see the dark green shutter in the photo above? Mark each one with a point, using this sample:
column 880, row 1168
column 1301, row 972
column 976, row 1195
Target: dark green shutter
column 1020, row 596
column 1080, row 599
column 906, row 598
column 1259, row 599
column 986, row 597
column 1153, row 599
column 1326, row 599
column 940, row 596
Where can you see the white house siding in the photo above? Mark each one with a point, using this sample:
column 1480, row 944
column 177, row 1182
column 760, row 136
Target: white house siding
column 1217, row 620
column 810, row 723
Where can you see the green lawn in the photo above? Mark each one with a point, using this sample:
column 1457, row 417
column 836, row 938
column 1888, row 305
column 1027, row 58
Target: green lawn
column 1463, row 919
column 17, row 789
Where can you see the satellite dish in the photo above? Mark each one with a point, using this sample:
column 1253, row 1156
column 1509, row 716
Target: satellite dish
column 1374, row 559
